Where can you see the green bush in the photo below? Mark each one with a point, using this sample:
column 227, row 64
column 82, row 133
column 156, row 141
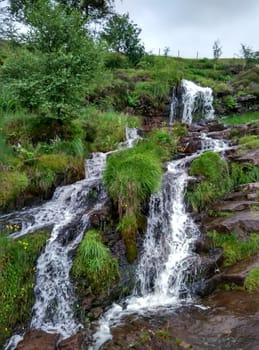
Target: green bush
column 17, row 262
column 94, row 263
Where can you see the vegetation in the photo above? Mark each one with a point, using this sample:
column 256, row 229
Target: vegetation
column 215, row 180
column 252, row 280
column 235, row 250
column 17, row 262
column 130, row 178
column 241, row 119
column 94, row 265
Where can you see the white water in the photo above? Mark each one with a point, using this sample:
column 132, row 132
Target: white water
column 167, row 260
column 195, row 99
column 68, row 214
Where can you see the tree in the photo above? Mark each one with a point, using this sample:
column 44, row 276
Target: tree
column 122, row 36
column 217, row 50
column 249, row 55
column 93, row 9
column 54, row 70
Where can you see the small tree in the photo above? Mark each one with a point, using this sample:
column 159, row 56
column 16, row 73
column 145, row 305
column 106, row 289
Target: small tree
column 166, row 51
column 122, row 36
column 249, row 55
column 217, row 51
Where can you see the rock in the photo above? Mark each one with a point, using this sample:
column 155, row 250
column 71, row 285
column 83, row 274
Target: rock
column 251, row 156
column 241, row 223
column 36, row 339
column 233, row 206
column 72, row 343
column 99, row 217
column 95, row 313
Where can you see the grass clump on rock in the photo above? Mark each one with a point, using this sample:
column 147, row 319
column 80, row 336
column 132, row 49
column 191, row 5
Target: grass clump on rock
column 131, row 176
column 215, row 180
column 252, row 280
column 94, row 263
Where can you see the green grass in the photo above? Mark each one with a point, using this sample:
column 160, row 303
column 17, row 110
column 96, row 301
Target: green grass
column 249, row 142
column 94, row 264
column 130, row 178
column 235, row 250
column 243, row 173
column 17, row 270
column 215, row 180
column 241, row 118
column 252, row 280
column 12, row 185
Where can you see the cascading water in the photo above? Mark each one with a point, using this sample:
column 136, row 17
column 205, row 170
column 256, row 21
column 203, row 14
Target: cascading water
column 68, row 214
column 168, row 260
column 191, row 102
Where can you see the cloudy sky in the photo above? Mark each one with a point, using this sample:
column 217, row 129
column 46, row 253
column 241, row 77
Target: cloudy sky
column 192, row 26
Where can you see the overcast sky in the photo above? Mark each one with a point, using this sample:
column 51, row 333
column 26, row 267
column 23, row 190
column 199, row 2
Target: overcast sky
column 192, row 26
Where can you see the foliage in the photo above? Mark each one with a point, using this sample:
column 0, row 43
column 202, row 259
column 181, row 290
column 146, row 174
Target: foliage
column 217, row 50
column 17, row 262
column 54, row 77
column 243, row 173
column 130, row 178
column 235, row 250
column 249, row 142
column 241, row 118
column 12, row 184
column 216, row 180
column 122, row 36
column 94, row 263
column 249, row 55
column 252, row 280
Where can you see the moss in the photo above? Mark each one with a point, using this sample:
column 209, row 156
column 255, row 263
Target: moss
column 249, row 142
column 12, row 184
column 17, row 262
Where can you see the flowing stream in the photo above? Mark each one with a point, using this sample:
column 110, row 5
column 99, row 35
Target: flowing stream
column 168, row 261
column 67, row 213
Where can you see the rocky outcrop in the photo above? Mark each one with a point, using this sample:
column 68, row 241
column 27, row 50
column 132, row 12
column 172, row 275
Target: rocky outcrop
column 38, row 340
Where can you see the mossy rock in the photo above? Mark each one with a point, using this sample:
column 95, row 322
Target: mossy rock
column 12, row 184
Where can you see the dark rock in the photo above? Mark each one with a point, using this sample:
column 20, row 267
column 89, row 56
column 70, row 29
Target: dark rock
column 38, row 340
column 99, row 217
column 72, row 343
column 95, row 313
column 233, row 206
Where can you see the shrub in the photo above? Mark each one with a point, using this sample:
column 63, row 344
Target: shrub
column 17, row 262
column 94, row 263
column 249, row 142
column 243, row 173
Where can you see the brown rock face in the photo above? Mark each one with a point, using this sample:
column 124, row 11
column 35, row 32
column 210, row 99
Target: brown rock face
column 72, row 343
column 38, row 340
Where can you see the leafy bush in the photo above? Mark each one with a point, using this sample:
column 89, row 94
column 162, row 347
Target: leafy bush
column 94, row 263
column 17, row 261
column 235, row 250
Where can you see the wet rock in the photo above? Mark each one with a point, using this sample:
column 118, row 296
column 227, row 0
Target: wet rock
column 38, row 340
column 72, row 343
column 241, row 223
column 95, row 313
column 99, row 217
column 233, row 206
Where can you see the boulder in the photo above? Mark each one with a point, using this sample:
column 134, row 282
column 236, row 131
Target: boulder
column 36, row 339
column 72, row 343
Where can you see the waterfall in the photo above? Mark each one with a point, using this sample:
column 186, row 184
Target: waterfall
column 68, row 214
column 168, row 260
column 191, row 102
